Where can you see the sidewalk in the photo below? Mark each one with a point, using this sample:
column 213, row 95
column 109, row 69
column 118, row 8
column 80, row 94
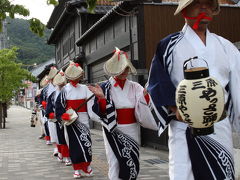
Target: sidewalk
column 24, row 157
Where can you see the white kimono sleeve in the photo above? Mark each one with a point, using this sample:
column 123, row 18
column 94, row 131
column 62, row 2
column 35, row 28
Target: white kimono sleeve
column 93, row 116
column 234, row 86
column 143, row 110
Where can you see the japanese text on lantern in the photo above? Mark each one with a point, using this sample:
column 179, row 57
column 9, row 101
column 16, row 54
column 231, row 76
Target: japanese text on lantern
column 182, row 101
column 209, row 94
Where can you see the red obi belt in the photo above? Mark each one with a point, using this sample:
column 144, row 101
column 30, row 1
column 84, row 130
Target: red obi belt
column 74, row 104
column 126, row 116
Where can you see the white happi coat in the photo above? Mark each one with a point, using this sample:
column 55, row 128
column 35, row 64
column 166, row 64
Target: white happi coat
column 128, row 97
column 224, row 64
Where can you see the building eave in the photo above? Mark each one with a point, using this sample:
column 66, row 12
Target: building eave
column 68, row 12
column 73, row 8
column 56, row 13
column 100, row 22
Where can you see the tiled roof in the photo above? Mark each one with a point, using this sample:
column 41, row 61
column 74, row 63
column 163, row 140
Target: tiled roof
column 99, row 23
column 101, row 2
column 40, row 68
column 103, row 9
column 69, row 11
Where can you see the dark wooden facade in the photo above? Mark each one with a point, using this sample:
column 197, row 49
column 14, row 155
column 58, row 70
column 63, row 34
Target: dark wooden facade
column 159, row 21
column 119, row 32
column 69, row 21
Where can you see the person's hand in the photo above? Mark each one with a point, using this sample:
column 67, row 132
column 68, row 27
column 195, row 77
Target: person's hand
column 178, row 116
column 175, row 110
column 97, row 91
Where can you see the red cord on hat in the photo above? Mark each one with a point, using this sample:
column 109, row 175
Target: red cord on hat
column 125, row 54
column 119, row 53
column 200, row 16
column 75, row 64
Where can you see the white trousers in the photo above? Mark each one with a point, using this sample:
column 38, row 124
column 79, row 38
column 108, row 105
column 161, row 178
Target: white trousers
column 53, row 132
column 130, row 129
column 180, row 167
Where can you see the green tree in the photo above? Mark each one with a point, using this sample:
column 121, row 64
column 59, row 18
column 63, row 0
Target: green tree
column 32, row 49
column 11, row 77
column 36, row 26
column 9, row 9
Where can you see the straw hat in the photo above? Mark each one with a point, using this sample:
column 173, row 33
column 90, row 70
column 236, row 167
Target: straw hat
column 73, row 71
column 44, row 81
column 184, row 3
column 60, row 79
column 52, row 73
column 118, row 63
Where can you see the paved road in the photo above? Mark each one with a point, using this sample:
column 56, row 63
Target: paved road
column 24, row 157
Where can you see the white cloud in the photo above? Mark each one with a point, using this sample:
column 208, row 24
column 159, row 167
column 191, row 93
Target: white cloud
column 38, row 9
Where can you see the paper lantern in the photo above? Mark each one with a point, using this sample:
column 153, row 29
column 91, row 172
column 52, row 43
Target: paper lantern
column 199, row 99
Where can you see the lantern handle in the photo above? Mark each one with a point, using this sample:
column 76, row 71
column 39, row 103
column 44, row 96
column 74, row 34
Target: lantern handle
column 190, row 60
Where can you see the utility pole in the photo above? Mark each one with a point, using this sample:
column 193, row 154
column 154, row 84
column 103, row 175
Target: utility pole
column 3, row 36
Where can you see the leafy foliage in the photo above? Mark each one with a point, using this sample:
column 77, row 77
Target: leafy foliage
column 91, row 5
column 36, row 26
column 11, row 74
column 53, row 2
column 32, row 49
column 9, row 9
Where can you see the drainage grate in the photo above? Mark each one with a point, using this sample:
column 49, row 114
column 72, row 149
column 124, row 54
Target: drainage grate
column 155, row 161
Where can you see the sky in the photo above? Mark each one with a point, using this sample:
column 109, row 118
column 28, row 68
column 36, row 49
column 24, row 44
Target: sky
column 38, row 9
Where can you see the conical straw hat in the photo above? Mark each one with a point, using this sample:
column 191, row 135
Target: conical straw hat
column 118, row 63
column 73, row 71
column 184, row 3
column 52, row 73
column 60, row 79
column 44, row 81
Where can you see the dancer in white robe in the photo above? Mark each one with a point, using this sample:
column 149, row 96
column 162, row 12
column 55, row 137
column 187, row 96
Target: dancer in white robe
column 63, row 153
column 43, row 83
column 117, row 104
column 202, row 157
column 50, row 127
column 77, row 134
column 39, row 113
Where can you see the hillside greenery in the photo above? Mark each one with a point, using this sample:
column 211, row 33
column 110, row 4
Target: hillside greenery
column 32, row 48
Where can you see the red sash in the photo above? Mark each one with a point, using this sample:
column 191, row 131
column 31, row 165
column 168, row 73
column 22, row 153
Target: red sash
column 126, row 116
column 74, row 104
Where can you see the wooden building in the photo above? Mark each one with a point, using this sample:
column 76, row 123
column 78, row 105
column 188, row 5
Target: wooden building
column 135, row 27
column 69, row 20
